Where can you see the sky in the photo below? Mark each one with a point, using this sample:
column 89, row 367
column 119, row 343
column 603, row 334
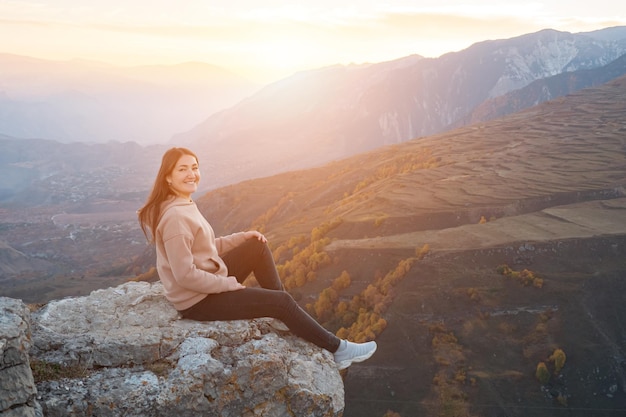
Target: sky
column 269, row 40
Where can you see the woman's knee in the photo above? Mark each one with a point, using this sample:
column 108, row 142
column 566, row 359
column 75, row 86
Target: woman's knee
column 285, row 301
column 255, row 246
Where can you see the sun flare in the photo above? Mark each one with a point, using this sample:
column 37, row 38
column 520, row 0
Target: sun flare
column 267, row 42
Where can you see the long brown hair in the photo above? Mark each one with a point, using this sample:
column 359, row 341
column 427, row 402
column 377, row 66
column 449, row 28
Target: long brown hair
column 151, row 211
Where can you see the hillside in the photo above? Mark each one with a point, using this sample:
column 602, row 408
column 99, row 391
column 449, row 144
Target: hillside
column 560, row 152
column 548, row 184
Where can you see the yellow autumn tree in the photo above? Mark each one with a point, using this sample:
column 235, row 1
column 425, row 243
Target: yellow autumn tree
column 542, row 373
column 558, row 357
column 342, row 281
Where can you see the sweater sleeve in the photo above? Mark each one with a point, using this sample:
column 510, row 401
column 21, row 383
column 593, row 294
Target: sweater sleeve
column 226, row 243
column 185, row 272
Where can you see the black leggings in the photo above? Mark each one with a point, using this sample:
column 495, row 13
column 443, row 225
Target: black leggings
column 269, row 301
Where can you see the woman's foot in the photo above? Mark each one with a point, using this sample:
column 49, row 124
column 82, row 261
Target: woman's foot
column 349, row 353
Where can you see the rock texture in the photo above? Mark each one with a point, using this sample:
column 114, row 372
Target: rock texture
column 134, row 356
column 17, row 388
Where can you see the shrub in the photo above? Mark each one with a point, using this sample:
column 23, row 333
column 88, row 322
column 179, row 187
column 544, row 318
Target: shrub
column 525, row 276
column 473, row 294
column 558, row 357
column 542, row 373
column 503, row 270
column 420, row 253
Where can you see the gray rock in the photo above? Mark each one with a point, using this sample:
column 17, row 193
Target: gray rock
column 141, row 359
column 17, row 387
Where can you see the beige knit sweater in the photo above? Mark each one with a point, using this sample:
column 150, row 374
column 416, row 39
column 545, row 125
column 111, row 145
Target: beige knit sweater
column 188, row 254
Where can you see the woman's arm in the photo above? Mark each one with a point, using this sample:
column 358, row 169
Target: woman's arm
column 189, row 276
column 226, row 243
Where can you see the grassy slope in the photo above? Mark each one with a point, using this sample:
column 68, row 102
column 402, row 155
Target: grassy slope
column 533, row 172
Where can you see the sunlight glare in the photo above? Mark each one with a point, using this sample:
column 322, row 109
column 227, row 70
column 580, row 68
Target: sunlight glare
column 269, row 40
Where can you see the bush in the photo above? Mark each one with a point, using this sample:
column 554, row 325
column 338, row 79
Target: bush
column 542, row 373
column 558, row 357
column 525, row 276
column 503, row 270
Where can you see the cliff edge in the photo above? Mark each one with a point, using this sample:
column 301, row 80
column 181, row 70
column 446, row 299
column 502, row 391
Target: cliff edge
column 130, row 354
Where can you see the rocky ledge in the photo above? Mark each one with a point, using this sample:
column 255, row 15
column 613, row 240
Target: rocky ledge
column 132, row 355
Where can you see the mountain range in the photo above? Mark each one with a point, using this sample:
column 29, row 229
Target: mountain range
column 302, row 121
column 93, row 102
column 327, row 114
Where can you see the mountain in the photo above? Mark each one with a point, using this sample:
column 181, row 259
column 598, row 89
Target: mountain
column 608, row 34
column 302, row 121
column 330, row 113
column 84, row 101
column 543, row 90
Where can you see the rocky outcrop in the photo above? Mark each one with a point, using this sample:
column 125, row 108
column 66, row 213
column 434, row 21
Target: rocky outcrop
column 17, row 387
column 127, row 353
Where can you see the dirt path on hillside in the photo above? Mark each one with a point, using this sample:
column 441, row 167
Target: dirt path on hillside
column 581, row 220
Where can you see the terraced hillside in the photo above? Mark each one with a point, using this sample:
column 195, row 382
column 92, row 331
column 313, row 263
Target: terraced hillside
column 542, row 191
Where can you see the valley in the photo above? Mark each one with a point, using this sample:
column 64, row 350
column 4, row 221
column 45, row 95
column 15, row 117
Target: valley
column 55, row 253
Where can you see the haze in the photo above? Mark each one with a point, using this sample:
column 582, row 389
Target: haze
column 270, row 40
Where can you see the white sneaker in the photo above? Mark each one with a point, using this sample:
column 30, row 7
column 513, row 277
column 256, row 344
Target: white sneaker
column 349, row 353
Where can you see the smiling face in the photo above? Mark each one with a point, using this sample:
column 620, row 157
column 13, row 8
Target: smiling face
column 184, row 178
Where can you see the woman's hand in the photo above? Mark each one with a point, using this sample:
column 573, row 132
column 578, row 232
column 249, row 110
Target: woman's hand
column 253, row 234
column 234, row 285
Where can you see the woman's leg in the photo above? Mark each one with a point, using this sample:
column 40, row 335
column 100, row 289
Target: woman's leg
column 271, row 301
column 250, row 303
column 253, row 256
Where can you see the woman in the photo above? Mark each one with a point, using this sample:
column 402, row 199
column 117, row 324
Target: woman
column 202, row 275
